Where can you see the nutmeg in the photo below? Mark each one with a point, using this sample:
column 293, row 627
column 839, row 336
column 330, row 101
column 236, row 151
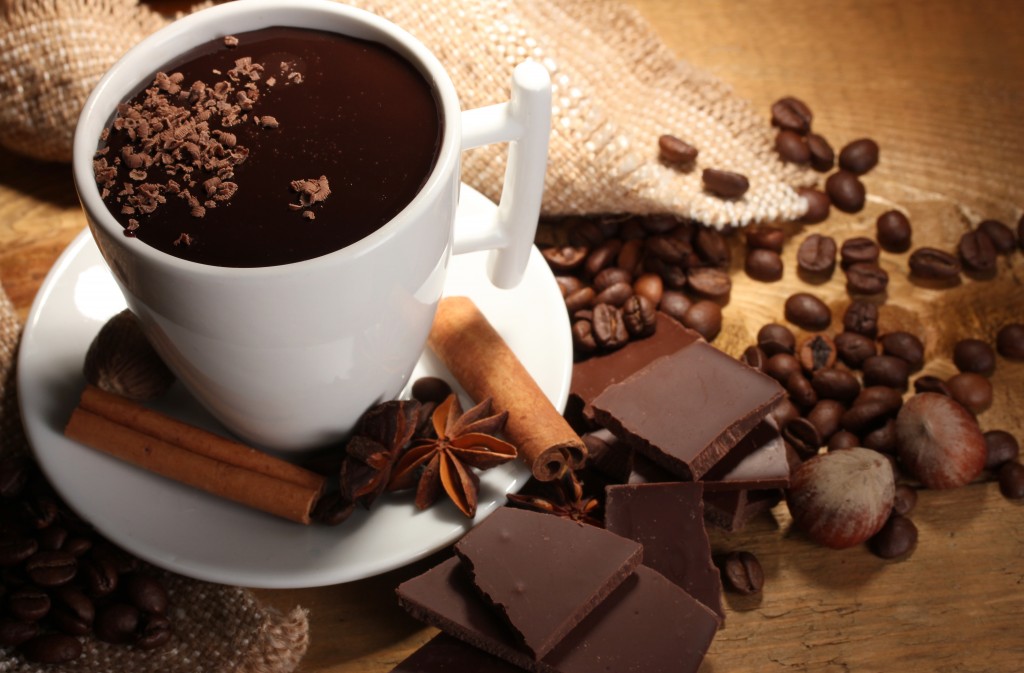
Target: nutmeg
column 121, row 360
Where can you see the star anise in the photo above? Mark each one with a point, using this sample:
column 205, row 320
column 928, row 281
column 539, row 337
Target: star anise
column 566, row 500
column 370, row 455
column 464, row 441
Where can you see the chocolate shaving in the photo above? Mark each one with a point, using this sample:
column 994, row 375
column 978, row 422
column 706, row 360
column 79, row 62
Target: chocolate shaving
column 230, row 41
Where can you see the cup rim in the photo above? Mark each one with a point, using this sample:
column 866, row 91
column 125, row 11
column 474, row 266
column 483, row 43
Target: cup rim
column 200, row 27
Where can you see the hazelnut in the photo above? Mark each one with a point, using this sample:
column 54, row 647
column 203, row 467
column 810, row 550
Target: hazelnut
column 121, row 360
column 842, row 498
column 939, row 441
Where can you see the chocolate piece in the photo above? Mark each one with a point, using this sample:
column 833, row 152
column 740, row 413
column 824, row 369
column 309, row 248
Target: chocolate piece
column 732, row 510
column 647, row 624
column 687, row 409
column 668, row 520
column 758, row 461
column 445, row 654
column 646, row 471
column 543, row 589
column 592, row 376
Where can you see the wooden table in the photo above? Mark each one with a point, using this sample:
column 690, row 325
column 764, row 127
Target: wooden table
column 940, row 85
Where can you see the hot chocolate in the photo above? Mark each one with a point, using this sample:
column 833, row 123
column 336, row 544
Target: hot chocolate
column 270, row 147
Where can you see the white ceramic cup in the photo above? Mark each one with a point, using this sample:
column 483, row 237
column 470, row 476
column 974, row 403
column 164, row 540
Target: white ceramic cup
column 288, row 357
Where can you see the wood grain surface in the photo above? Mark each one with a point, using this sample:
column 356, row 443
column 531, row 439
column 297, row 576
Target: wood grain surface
column 940, row 85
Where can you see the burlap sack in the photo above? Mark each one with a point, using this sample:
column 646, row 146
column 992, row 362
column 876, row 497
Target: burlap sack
column 616, row 89
column 217, row 629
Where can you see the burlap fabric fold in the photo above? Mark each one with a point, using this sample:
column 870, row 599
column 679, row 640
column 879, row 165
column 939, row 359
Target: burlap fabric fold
column 617, row 87
column 217, row 629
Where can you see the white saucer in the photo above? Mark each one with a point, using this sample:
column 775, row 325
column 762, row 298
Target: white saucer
column 207, row 538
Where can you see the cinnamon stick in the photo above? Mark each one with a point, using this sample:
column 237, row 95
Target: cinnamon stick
column 482, row 362
column 202, row 460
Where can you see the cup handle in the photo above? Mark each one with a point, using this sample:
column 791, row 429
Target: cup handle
column 525, row 121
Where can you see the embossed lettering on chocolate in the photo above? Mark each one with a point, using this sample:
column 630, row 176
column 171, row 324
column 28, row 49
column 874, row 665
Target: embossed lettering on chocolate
column 258, row 134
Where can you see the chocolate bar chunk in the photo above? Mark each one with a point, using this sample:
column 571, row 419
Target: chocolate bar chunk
column 543, row 573
column 668, row 520
column 731, row 510
column 684, row 411
column 648, row 624
column 758, row 461
column 591, row 376
column 445, row 654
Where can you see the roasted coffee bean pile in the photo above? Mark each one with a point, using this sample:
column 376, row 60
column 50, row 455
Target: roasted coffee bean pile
column 616, row 272
column 62, row 581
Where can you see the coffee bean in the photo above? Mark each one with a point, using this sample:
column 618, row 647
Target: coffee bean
column 933, row 264
column 774, row 338
column 818, row 205
column 28, row 604
column 835, row 384
column 602, row 257
column 897, row 537
column 853, row 348
column 870, row 413
column 807, row 311
column 146, row 593
column 117, row 623
column 816, row 256
column 726, row 184
column 800, row 390
column 784, row 412
column 709, row 282
column 608, row 327
column 816, row 352
column 1010, row 341
column 904, row 500
column 1011, row 480
column 846, row 191
column 51, row 648
column 649, row 285
column 52, row 537
column 974, row 391
column 866, row 278
column 825, row 417
column 99, row 576
column 882, row 439
column 1002, row 236
column 51, row 568
column 886, row 370
column 974, row 355
column 754, row 357
column 580, row 299
column 431, row 389
column 889, row 397
column 676, row 151
column 1000, row 447
column 16, row 550
column 704, row 317
column 823, row 157
column 640, row 316
column 585, row 233
column 905, row 346
column 780, row 366
column 711, row 247
column 803, row 436
column 931, row 384
column 661, row 224
column 616, row 294
column 609, row 276
column 14, row 473
column 977, row 253
column 154, row 632
column 675, row 304
column 766, row 237
column 792, row 147
column 742, row 573
column 564, row 258
column 858, row 249
column 631, row 256
column 763, row 265
column 14, row 632
column 861, row 317
column 843, row 439
column 893, row 231
column 793, row 114
column 73, row 612
column 670, row 249
column 38, row 510
column 859, row 156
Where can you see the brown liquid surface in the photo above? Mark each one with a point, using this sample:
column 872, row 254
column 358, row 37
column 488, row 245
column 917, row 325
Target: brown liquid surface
column 362, row 116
